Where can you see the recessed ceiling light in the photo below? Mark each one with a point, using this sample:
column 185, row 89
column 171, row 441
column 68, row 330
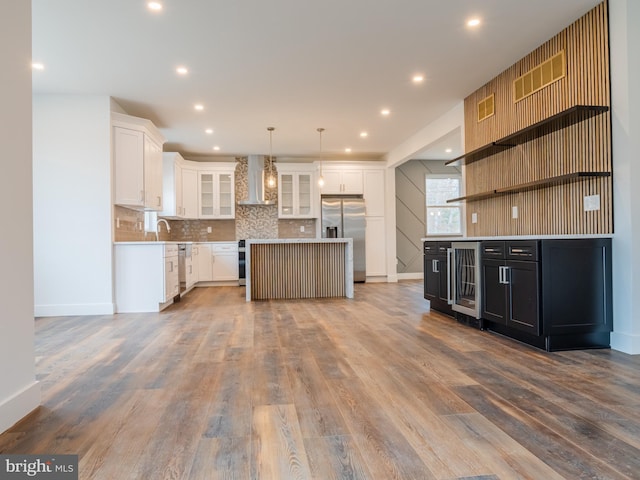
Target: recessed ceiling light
column 448, row 150
column 347, row 150
column 209, row 131
column 216, row 148
column 182, row 70
column 474, row 22
column 385, row 112
column 198, row 107
column 155, row 6
column 364, row 134
column 418, row 78
column 37, row 66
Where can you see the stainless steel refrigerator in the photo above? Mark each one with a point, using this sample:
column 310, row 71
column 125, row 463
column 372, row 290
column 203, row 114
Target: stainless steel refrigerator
column 343, row 217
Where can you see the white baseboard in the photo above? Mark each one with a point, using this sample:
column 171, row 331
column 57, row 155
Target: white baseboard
column 19, row 405
column 411, row 276
column 626, row 342
column 63, row 310
column 377, row 279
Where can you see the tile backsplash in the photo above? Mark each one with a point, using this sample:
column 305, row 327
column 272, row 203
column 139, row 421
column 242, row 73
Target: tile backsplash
column 252, row 221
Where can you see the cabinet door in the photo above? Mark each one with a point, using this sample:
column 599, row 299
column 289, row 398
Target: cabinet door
column 374, row 192
column 285, row 202
column 206, row 188
column 205, row 270
column 188, row 271
column 494, row 293
column 225, row 266
column 225, row 202
column 189, row 193
column 152, row 175
column 195, row 262
column 375, row 247
column 431, row 278
column 172, row 282
column 352, row 183
column 524, row 296
column 304, row 195
column 128, row 153
column 332, row 182
column 178, row 201
column 443, row 285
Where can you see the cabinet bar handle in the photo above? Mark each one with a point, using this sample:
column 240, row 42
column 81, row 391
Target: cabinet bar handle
column 449, row 255
column 434, row 266
column 159, row 200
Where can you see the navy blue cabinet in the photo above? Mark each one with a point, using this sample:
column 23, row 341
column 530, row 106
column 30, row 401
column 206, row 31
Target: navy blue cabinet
column 436, row 276
column 553, row 294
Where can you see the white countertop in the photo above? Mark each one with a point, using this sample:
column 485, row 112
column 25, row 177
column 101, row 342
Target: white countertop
column 298, row 240
column 514, row 237
column 170, row 242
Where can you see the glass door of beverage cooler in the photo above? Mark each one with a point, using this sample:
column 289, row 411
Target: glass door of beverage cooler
column 465, row 273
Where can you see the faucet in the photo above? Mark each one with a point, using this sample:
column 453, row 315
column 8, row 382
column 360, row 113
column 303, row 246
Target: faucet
column 158, row 226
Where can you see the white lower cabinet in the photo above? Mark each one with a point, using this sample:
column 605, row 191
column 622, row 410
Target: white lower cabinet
column 225, row 262
column 205, row 270
column 217, row 262
column 171, row 277
column 189, row 272
column 375, row 246
column 146, row 276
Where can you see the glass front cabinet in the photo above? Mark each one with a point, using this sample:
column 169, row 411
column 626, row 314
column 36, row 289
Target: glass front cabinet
column 295, row 193
column 216, row 197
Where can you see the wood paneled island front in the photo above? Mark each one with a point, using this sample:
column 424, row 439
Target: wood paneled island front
column 299, row 268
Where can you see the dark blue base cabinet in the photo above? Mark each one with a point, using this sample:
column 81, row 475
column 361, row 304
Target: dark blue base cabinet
column 552, row 294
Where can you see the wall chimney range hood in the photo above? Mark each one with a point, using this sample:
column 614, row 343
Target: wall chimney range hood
column 255, row 182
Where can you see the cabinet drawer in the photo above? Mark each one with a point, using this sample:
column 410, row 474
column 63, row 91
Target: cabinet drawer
column 523, row 250
column 443, row 247
column 492, row 249
column 430, row 248
column 224, row 247
column 170, row 250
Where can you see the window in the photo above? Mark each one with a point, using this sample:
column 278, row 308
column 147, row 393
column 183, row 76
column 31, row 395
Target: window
column 443, row 218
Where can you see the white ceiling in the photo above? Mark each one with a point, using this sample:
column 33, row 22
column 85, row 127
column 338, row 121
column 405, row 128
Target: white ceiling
column 291, row 64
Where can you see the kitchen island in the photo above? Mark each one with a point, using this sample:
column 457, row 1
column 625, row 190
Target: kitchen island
column 299, row 268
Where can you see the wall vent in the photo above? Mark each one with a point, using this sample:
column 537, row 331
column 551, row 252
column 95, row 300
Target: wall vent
column 486, row 107
column 539, row 77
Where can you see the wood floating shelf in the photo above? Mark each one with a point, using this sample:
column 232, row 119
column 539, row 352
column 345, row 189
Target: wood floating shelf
column 538, row 184
column 556, row 122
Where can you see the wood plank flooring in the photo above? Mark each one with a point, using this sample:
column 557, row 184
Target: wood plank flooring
column 371, row 388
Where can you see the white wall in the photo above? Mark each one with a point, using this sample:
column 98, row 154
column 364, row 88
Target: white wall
column 19, row 392
column 72, row 205
column 624, row 16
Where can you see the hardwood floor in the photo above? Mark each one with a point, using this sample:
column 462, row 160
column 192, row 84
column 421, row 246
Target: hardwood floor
column 370, row 388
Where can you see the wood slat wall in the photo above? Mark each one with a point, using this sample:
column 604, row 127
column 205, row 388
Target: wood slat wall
column 297, row 270
column 585, row 146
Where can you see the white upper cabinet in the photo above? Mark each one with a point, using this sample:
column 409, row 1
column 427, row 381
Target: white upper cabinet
column 152, row 174
column 216, row 192
column 374, row 192
column 189, row 193
column 172, row 186
column 137, row 162
column 296, row 192
column 198, row 190
column 342, row 182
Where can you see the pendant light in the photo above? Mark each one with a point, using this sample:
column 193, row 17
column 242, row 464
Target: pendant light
column 271, row 181
column 321, row 179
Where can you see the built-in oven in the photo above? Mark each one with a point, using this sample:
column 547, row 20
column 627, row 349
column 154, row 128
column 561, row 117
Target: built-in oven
column 242, row 274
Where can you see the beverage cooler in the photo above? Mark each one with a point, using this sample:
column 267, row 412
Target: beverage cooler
column 466, row 285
